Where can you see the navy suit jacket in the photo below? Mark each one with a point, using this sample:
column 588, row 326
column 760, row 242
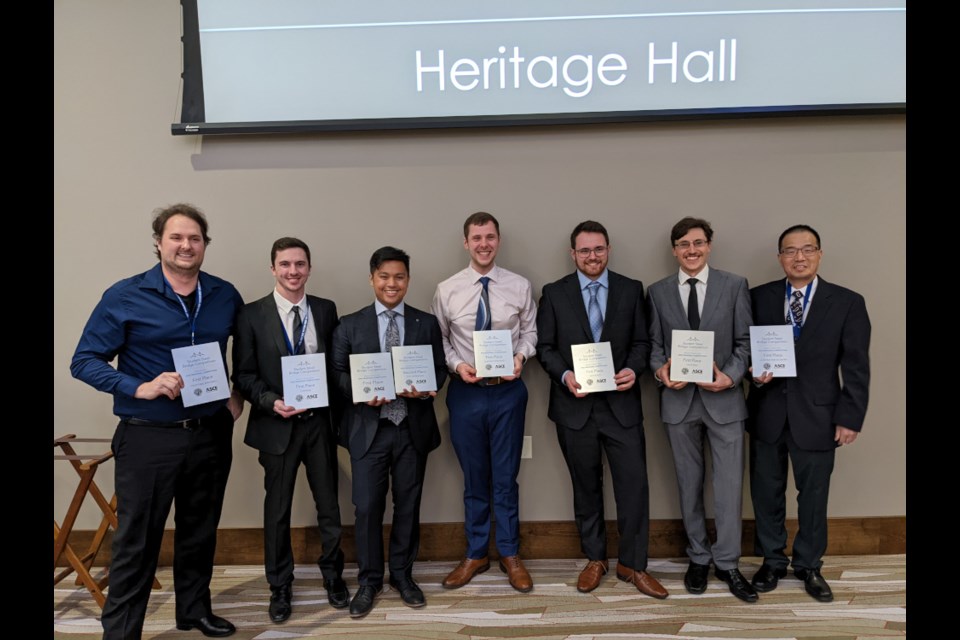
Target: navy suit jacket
column 562, row 322
column 834, row 342
column 258, row 346
column 358, row 333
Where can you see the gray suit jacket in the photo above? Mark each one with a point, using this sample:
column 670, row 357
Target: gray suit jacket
column 726, row 312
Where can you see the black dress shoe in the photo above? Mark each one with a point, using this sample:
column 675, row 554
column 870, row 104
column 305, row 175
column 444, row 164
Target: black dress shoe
column 696, row 578
column 337, row 593
column 815, row 585
column 362, row 602
column 738, row 584
column 280, row 598
column 767, row 577
column 209, row 625
column 410, row 592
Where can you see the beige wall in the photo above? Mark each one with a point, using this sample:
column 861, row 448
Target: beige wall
column 117, row 67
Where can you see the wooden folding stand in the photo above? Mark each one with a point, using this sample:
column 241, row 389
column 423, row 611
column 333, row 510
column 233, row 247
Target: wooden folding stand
column 86, row 466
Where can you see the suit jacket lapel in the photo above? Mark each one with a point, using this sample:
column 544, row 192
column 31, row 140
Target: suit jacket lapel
column 317, row 324
column 575, row 300
column 675, row 308
column 411, row 326
column 711, row 298
column 613, row 303
column 819, row 309
column 271, row 320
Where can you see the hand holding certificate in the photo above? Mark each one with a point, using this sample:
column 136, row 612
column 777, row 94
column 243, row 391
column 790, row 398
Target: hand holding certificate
column 691, row 358
column 593, row 367
column 413, row 367
column 371, row 376
column 203, row 373
column 771, row 351
column 305, row 381
column 493, row 351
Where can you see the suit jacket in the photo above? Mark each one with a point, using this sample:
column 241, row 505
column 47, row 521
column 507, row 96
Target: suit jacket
column 257, row 348
column 834, row 342
column 562, row 322
column 726, row 312
column 358, row 333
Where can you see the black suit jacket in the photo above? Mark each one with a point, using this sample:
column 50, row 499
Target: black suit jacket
column 562, row 322
column 258, row 346
column 834, row 342
column 358, row 333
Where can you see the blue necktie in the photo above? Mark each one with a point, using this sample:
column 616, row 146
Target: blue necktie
column 483, row 307
column 396, row 410
column 593, row 311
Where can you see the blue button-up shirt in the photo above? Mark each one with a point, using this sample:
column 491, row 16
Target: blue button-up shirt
column 138, row 321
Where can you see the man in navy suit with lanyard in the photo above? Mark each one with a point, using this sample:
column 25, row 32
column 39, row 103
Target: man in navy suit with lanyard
column 807, row 417
column 289, row 322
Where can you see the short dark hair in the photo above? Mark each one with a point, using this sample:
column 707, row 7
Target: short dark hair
column 288, row 243
column 686, row 225
column 588, row 226
column 160, row 217
column 387, row 254
column 479, row 218
column 797, row 228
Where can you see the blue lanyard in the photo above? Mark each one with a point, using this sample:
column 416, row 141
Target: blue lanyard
column 303, row 333
column 806, row 299
column 196, row 311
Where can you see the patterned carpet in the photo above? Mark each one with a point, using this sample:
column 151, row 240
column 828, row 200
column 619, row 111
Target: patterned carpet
column 870, row 602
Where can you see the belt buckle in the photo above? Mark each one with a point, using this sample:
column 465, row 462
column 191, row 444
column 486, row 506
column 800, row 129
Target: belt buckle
column 186, row 424
column 490, row 382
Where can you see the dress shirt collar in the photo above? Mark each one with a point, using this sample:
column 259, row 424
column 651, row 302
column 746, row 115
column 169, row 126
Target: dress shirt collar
column 702, row 276
column 813, row 289
column 379, row 307
column 493, row 274
column 285, row 306
column 604, row 279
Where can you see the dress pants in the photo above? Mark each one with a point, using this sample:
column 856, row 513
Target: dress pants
column 313, row 445
column 391, row 459
column 726, row 445
column 155, row 466
column 768, row 485
column 486, row 429
column 626, row 453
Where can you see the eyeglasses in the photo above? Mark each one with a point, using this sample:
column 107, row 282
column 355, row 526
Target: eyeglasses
column 585, row 253
column 807, row 250
column 696, row 244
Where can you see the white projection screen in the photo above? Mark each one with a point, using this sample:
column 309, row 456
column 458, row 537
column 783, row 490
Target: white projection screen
column 302, row 65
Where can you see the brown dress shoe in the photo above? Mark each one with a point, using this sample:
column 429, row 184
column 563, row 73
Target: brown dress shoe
column 643, row 581
column 516, row 573
column 464, row 572
column 591, row 574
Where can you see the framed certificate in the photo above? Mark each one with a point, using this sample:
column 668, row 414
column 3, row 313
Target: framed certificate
column 691, row 356
column 593, row 366
column 305, row 380
column 371, row 376
column 771, row 351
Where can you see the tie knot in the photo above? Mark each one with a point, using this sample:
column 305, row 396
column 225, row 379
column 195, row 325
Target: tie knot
column 798, row 294
column 484, row 280
column 391, row 314
column 593, row 287
column 296, row 310
column 692, row 282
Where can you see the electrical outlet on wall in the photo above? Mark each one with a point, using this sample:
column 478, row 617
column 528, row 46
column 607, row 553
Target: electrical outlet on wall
column 527, row 451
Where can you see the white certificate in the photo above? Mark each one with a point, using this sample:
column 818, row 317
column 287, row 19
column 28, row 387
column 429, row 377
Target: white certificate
column 203, row 373
column 493, row 352
column 691, row 356
column 593, row 366
column 413, row 367
column 371, row 375
column 771, row 351
column 305, row 380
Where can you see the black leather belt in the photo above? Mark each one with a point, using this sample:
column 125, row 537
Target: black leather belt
column 189, row 425
column 305, row 415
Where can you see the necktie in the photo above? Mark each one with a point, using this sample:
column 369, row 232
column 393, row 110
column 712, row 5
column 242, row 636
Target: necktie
column 593, row 311
column 483, row 308
column 396, row 410
column 693, row 305
column 297, row 330
column 796, row 310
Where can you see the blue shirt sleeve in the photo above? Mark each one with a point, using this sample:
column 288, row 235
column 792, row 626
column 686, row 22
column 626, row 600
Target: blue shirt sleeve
column 102, row 339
